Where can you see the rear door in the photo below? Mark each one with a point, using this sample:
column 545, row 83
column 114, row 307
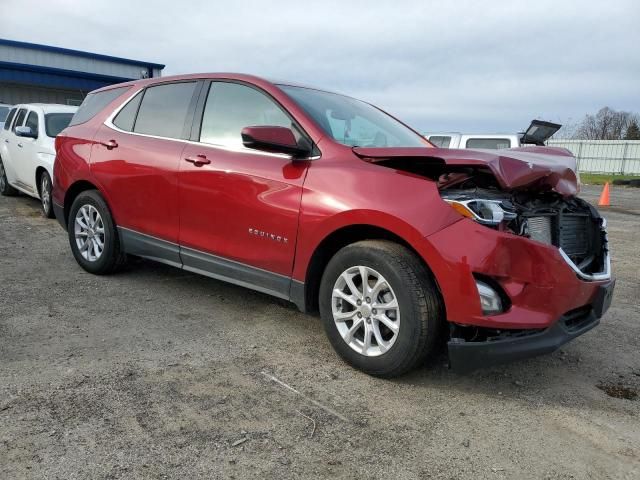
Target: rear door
column 239, row 210
column 136, row 157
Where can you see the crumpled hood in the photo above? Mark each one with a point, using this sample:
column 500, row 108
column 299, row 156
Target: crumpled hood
column 528, row 167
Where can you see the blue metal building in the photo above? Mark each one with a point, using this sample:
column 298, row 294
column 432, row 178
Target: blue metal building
column 40, row 73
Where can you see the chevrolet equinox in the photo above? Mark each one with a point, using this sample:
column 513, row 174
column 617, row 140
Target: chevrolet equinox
column 335, row 205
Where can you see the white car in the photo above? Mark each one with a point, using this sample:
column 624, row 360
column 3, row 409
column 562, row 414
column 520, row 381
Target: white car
column 27, row 149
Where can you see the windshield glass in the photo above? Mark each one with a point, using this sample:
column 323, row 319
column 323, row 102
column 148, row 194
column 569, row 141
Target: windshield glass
column 56, row 122
column 4, row 111
column 353, row 122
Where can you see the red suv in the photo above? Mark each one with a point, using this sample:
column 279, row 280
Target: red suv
column 333, row 204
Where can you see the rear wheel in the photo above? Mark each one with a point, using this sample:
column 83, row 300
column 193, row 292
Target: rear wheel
column 45, row 195
column 93, row 235
column 380, row 307
column 5, row 189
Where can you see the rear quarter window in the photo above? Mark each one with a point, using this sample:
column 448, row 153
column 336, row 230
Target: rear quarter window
column 94, row 103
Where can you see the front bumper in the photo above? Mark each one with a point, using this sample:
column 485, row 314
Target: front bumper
column 466, row 356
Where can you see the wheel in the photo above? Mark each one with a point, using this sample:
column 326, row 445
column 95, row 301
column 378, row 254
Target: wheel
column 5, row 189
column 380, row 307
column 93, row 236
column 45, row 195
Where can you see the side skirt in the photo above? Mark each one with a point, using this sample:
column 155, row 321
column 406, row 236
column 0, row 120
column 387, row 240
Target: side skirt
column 212, row 266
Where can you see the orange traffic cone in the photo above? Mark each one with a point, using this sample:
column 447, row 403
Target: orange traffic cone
column 604, row 196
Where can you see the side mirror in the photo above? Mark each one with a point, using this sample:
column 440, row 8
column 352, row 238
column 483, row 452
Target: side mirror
column 25, row 132
column 273, row 139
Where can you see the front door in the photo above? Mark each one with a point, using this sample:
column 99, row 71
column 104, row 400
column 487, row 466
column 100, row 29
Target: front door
column 239, row 207
column 27, row 154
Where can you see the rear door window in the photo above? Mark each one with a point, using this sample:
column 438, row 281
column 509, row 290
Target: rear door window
column 440, row 141
column 489, row 143
column 230, row 107
column 32, row 123
column 19, row 119
column 7, row 122
column 94, row 103
column 164, row 108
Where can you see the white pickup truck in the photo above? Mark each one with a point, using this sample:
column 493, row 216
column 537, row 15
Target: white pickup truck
column 537, row 133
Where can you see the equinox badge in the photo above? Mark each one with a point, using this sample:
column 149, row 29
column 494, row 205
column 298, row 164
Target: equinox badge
column 271, row 236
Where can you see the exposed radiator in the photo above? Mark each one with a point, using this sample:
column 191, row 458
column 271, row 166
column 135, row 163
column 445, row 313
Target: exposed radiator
column 540, row 229
column 567, row 231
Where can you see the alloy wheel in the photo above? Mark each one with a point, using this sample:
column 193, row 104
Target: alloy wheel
column 3, row 177
column 89, row 233
column 45, row 193
column 366, row 311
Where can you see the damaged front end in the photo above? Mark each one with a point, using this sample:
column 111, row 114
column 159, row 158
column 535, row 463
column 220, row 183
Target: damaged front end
column 570, row 224
column 529, row 270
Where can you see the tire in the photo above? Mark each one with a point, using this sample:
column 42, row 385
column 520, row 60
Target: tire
column 5, row 189
column 418, row 316
column 95, row 226
column 45, row 195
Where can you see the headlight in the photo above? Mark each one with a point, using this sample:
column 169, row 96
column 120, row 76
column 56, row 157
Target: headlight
column 487, row 212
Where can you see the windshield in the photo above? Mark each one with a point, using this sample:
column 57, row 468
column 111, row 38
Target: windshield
column 4, row 111
column 352, row 122
column 54, row 123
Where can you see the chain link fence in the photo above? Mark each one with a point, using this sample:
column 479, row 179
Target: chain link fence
column 603, row 156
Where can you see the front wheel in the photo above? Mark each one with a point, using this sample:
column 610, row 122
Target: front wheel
column 45, row 195
column 93, row 235
column 380, row 307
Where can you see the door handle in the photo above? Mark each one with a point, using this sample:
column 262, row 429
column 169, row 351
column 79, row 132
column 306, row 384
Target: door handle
column 6, row 140
column 20, row 145
column 198, row 160
column 111, row 144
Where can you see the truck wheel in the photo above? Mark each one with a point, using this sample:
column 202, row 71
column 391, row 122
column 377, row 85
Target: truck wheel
column 5, row 189
column 45, row 195
column 380, row 307
column 93, row 235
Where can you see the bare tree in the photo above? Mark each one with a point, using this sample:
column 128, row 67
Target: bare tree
column 607, row 124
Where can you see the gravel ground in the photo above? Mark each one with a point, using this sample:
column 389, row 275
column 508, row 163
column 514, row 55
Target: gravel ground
column 157, row 373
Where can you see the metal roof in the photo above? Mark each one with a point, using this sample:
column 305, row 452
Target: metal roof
column 26, row 63
column 78, row 53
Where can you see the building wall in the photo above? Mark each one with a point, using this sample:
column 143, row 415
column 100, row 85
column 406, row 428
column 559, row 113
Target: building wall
column 52, row 59
column 12, row 94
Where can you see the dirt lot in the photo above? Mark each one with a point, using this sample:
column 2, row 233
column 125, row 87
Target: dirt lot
column 156, row 373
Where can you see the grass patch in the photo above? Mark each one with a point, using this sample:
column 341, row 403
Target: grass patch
column 602, row 178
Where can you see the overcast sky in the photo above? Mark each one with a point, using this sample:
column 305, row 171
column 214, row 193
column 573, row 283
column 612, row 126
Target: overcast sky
column 475, row 66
